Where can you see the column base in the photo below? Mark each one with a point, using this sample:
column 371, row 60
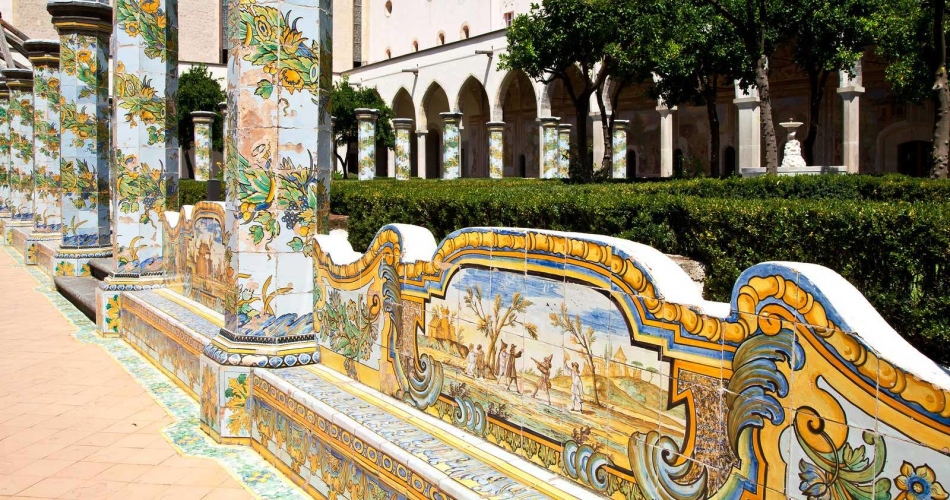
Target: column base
column 108, row 298
column 71, row 261
column 33, row 243
column 233, row 349
column 8, row 224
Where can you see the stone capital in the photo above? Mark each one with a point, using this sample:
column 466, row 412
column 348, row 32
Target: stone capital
column 366, row 113
column 202, row 116
column 493, row 126
column 43, row 52
column 849, row 92
column 451, row 117
column 74, row 16
column 18, row 78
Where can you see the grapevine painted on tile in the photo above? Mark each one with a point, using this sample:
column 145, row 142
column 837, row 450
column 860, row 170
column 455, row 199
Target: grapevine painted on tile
column 367, row 147
column 350, row 327
column 46, row 168
column 141, row 103
column 21, row 143
column 146, row 19
column 273, row 41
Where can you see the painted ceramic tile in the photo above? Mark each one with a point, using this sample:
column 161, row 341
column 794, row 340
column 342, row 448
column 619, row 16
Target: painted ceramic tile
column 549, row 150
column 620, row 153
column 46, row 176
column 563, row 152
column 496, row 167
column 21, row 162
column 402, row 152
column 451, row 149
column 367, row 147
column 202, row 150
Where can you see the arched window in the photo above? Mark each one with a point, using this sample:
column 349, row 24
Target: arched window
column 415, row 45
column 441, row 38
column 465, row 32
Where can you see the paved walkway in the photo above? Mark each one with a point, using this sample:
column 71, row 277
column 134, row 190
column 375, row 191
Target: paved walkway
column 73, row 423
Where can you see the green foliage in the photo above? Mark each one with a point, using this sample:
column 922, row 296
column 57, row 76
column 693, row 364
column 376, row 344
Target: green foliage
column 191, row 192
column 905, row 40
column 198, row 91
column 346, row 100
column 874, row 231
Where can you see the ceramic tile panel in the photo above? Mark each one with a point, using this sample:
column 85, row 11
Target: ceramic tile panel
column 496, row 150
column 549, row 148
column 20, row 113
column 44, row 55
column 619, row 143
column 202, row 126
column 451, row 146
column 366, row 153
column 403, row 149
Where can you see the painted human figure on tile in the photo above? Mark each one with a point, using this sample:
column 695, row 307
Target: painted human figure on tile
column 544, row 368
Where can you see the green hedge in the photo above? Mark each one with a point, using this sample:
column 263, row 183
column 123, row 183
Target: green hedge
column 896, row 253
column 191, row 191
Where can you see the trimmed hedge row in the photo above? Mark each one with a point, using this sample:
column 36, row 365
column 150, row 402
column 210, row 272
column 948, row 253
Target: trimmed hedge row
column 191, row 191
column 896, row 253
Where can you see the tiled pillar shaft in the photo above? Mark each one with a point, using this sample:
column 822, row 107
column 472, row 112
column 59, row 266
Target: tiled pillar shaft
column 421, row 136
column 202, row 124
column 278, row 170
column 564, row 151
column 145, row 79
column 451, row 146
column 366, row 139
column 4, row 150
column 223, row 111
column 496, row 149
column 850, row 89
column 84, row 29
column 666, row 140
column 619, row 138
column 20, row 82
column 44, row 55
column 403, row 151
column 549, row 147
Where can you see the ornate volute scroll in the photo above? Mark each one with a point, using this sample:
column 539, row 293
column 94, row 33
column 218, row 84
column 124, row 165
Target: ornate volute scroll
column 598, row 359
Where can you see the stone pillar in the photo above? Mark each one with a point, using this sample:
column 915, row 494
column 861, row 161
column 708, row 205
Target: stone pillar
column 619, row 142
column 750, row 129
column 202, row 123
column 549, row 147
column 366, row 133
column 451, row 146
column 84, row 29
column 666, row 140
column 496, row 149
column 850, row 90
column 145, row 78
column 4, row 154
column 278, row 172
column 402, row 155
column 564, row 150
column 421, row 136
column 20, row 83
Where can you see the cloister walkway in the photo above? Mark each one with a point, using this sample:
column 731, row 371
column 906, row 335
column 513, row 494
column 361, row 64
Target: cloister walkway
column 75, row 424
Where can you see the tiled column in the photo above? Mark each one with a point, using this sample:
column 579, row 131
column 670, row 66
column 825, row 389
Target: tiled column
column 84, row 29
column 850, row 90
column 421, row 136
column 202, row 123
column 549, row 147
column 666, row 140
column 750, row 129
column 4, row 154
column 278, row 175
column 47, row 218
column 403, row 151
column 223, row 110
column 20, row 83
column 451, row 145
column 496, row 149
column 564, row 150
column 619, row 142
column 366, row 133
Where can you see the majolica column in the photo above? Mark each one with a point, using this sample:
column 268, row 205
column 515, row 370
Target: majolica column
column 549, row 147
column 47, row 103
column 84, row 29
column 223, row 111
column 564, row 150
column 421, row 136
column 366, row 139
column 20, row 83
column 666, row 140
column 4, row 154
column 202, row 121
column 496, row 149
column 403, row 151
column 278, row 175
column 619, row 143
column 451, row 145
column 145, row 79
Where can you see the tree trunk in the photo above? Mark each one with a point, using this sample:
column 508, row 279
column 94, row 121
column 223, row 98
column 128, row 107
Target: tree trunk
column 709, row 95
column 605, row 123
column 941, row 140
column 816, row 93
column 582, row 109
column 768, row 128
column 188, row 165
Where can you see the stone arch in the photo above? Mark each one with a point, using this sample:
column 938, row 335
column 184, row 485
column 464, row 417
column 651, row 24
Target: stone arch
column 895, row 134
column 555, row 99
column 434, row 101
column 403, row 107
column 516, row 104
column 472, row 101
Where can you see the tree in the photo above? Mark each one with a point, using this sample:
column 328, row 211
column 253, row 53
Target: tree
column 198, row 91
column 829, row 36
column 696, row 52
column 755, row 24
column 579, row 337
column 346, row 100
column 912, row 37
column 492, row 321
column 561, row 38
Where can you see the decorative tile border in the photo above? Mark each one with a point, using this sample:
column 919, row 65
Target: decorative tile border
column 259, row 477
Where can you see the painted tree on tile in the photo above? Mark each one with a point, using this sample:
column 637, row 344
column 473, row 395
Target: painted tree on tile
column 494, row 318
column 581, row 337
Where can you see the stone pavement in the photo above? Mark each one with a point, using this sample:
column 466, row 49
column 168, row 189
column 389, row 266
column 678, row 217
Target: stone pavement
column 74, row 423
